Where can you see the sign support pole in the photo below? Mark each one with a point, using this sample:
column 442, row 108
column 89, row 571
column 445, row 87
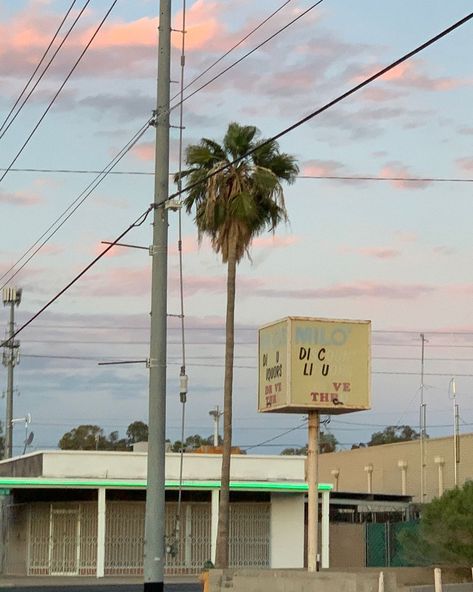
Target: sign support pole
column 313, row 498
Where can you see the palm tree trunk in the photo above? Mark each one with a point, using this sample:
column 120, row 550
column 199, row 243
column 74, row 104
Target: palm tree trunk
column 222, row 551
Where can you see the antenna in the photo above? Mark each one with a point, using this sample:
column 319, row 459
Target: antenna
column 28, row 441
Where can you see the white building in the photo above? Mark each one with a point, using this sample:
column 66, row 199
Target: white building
column 82, row 513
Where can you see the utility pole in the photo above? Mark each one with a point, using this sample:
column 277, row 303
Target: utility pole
column 11, row 357
column 313, row 494
column 154, row 545
column 456, row 432
column 422, row 422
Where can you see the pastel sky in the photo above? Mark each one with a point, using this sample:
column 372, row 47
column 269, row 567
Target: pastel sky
column 396, row 252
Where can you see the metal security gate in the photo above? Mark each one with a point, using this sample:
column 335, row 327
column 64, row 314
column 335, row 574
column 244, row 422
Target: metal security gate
column 250, row 534
column 62, row 539
column 64, row 542
column 189, row 546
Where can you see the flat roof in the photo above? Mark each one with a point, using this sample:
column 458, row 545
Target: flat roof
column 51, row 483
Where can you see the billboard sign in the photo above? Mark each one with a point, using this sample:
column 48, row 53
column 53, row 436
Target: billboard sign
column 314, row 364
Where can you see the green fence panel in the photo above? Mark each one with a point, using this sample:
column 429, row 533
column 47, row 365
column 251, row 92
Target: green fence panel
column 383, row 547
column 398, row 557
column 376, row 547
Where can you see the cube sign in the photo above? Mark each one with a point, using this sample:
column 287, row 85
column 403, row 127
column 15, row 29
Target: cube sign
column 314, row 364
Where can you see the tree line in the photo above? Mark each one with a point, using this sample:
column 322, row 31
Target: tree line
column 93, row 437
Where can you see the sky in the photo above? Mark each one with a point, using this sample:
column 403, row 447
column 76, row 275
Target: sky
column 397, row 253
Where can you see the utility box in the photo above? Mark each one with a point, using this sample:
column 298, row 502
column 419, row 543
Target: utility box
column 314, row 364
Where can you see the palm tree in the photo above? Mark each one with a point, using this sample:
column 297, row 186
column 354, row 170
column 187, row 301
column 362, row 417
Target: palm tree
column 236, row 193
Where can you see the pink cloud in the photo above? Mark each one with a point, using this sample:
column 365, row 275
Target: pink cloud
column 397, row 171
column 115, row 252
column 189, row 245
column 216, row 285
column 380, row 95
column 142, row 32
column 405, row 237
column 275, row 241
column 19, row 198
column 361, row 289
column 409, row 74
column 461, row 289
column 375, row 252
column 466, row 164
column 120, row 282
column 444, row 250
column 144, row 151
column 321, row 168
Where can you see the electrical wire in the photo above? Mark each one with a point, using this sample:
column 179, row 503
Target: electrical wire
column 274, row 138
column 138, row 222
column 72, row 208
column 314, row 177
column 43, row 57
column 52, row 101
column 276, row 437
column 327, row 106
column 228, row 52
column 106, row 171
column 247, row 54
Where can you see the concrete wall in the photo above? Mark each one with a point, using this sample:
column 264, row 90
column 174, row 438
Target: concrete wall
column 297, row 581
column 347, row 545
column 287, row 530
column 127, row 465
column 349, row 580
column 386, row 472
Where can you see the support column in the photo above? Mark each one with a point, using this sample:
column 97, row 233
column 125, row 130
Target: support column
column 325, row 555
column 101, row 515
column 313, row 497
column 214, row 523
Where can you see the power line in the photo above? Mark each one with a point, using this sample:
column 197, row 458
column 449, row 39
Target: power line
column 138, row 222
column 105, row 172
column 278, row 436
column 314, row 177
column 40, row 77
column 221, row 329
column 227, row 53
column 248, row 53
column 43, row 57
column 274, row 138
column 72, row 207
column 51, row 103
column 327, row 106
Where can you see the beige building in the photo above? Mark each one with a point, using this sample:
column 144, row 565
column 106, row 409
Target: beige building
column 396, row 468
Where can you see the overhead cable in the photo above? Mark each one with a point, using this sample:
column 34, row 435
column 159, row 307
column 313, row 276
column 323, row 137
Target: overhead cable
column 105, row 172
column 43, row 57
column 46, row 68
column 284, row 132
column 52, row 101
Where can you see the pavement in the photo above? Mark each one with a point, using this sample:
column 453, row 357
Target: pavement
column 90, row 584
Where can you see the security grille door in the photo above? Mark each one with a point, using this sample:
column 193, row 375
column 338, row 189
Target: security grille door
column 64, row 542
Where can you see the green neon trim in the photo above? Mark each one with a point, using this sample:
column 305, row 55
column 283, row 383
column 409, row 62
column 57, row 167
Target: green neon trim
column 170, row 484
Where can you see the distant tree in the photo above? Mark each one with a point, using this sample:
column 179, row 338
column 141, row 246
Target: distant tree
column 446, row 530
column 194, row 442
column 294, row 451
column 327, row 443
column 359, row 445
column 393, row 434
column 137, row 432
column 93, row 437
column 84, row 437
